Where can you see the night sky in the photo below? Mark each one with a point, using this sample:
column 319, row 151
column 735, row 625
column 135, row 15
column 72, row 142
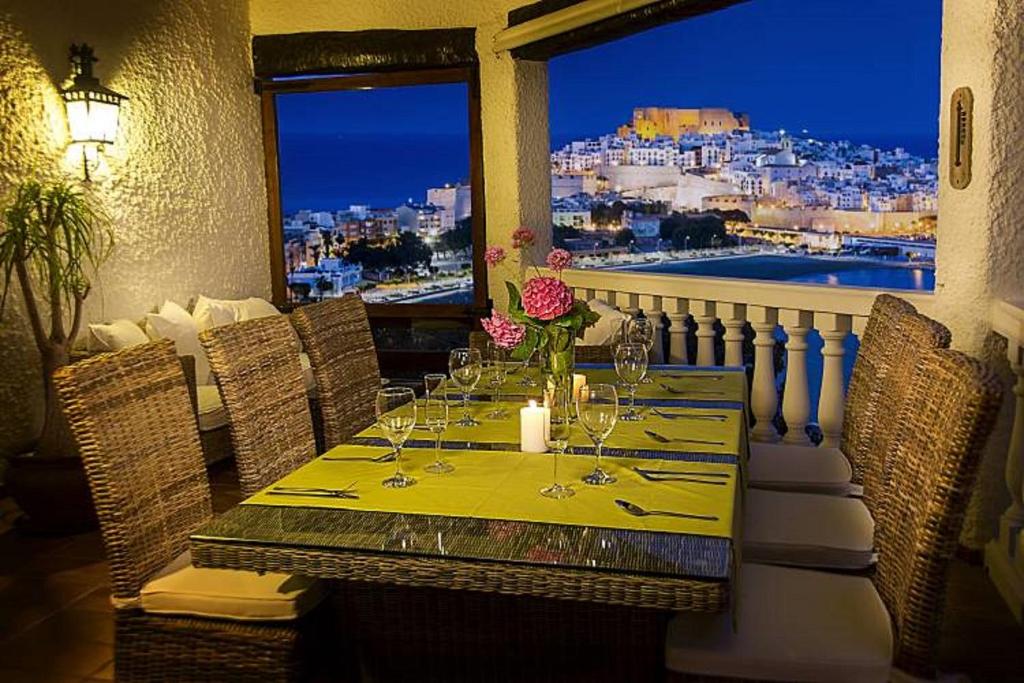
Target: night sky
column 864, row 70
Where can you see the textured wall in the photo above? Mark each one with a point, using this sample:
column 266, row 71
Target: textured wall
column 184, row 182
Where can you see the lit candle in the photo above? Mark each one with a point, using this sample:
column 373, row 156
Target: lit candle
column 578, row 382
column 534, row 423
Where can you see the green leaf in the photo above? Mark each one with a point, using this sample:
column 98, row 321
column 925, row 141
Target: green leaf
column 515, row 301
column 527, row 346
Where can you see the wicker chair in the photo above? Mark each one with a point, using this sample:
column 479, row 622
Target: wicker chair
column 790, row 467
column 336, row 335
column 259, row 375
column 585, row 353
column 836, row 532
column 131, row 415
column 801, row 625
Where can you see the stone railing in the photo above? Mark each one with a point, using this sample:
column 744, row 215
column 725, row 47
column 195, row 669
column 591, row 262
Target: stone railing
column 1004, row 556
column 776, row 312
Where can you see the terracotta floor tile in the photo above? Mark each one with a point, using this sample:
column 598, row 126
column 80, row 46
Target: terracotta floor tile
column 106, row 673
column 25, row 601
column 77, row 625
column 31, row 652
column 22, row 676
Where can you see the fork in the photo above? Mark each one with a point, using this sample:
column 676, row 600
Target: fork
column 664, row 439
column 656, row 477
column 385, row 457
column 711, row 378
column 675, row 390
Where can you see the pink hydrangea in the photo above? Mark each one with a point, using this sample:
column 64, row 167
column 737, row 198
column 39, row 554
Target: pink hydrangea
column 559, row 260
column 503, row 331
column 546, row 298
column 523, row 237
column 494, row 255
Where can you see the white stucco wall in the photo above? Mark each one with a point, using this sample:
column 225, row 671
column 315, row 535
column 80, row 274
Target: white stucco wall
column 184, row 184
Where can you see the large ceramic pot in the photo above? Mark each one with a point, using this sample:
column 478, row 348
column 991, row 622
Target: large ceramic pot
column 52, row 492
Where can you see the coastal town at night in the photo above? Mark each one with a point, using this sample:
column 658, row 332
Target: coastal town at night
column 684, row 191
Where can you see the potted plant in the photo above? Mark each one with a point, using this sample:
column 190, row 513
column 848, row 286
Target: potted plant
column 53, row 236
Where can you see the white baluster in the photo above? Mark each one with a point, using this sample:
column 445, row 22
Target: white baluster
column 677, row 332
column 651, row 306
column 734, row 316
column 591, row 294
column 832, row 401
column 796, row 401
column 610, row 296
column 704, row 315
column 764, row 400
column 633, row 307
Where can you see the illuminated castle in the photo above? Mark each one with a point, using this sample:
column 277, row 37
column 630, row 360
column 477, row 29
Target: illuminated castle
column 650, row 122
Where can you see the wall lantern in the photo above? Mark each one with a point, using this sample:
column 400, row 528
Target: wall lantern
column 93, row 110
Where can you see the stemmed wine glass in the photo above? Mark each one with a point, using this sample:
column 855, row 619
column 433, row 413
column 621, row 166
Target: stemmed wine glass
column 641, row 331
column 526, row 380
column 435, row 417
column 396, row 417
column 631, row 367
column 465, row 366
column 558, row 438
column 498, row 358
column 597, row 408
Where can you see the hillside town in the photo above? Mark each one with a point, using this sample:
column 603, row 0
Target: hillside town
column 669, row 184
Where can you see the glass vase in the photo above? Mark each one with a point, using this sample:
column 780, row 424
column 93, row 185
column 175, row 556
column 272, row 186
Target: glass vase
column 558, row 358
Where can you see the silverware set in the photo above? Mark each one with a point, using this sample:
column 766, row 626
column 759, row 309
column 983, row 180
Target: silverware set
column 665, row 439
column 348, row 493
column 637, row 511
column 711, row 378
column 688, row 416
column 714, row 478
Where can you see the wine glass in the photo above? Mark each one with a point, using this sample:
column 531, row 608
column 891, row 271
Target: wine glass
column 465, row 366
column 558, row 438
column 435, row 417
column 597, row 408
column 527, row 381
column 631, row 367
column 497, row 356
column 396, row 417
column 641, row 331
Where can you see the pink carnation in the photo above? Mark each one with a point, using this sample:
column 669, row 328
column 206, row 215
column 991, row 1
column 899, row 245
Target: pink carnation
column 559, row 260
column 546, row 298
column 523, row 237
column 494, row 255
column 503, row 331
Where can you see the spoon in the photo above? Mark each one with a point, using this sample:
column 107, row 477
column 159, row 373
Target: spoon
column 713, row 378
column 637, row 511
column 673, row 390
column 687, row 416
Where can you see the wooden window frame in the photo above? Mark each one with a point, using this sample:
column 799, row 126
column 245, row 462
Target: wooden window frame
column 268, row 88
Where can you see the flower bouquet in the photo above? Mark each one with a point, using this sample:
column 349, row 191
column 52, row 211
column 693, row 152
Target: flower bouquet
column 543, row 317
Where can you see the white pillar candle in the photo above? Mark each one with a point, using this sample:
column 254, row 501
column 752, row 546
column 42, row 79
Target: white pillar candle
column 578, row 382
column 534, row 424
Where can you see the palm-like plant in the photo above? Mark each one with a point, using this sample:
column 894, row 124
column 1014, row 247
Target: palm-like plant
column 53, row 236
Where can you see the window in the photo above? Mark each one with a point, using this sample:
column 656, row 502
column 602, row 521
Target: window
column 828, row 185
column 375, row 186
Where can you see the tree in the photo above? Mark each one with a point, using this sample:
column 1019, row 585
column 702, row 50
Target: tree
column 693, row 231
column 561, row 233
column 459, row 238
column 624, row 237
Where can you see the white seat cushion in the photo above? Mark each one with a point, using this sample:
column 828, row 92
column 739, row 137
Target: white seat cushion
column 114, row 336
column 791, row 625
column 228, row 594
column 788, row 467
column 807, row 529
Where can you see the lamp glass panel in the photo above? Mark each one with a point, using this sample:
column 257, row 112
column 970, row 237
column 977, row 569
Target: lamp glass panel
column 92, row 121
column 78, row 120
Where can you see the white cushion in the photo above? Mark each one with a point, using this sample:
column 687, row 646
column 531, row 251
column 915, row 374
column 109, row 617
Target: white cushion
column 229, row 594
column 807, row 529
column 210, row 313
column 789, row 467
column 607, row 328
column 116, row 335
column 213, row 415
column 255, row 307
column 791, row 625
column 174, row 322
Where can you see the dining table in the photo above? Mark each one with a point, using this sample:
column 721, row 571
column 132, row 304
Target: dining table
column 484, row 529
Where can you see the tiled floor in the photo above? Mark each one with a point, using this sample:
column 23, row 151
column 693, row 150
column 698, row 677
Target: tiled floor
column 56, row 624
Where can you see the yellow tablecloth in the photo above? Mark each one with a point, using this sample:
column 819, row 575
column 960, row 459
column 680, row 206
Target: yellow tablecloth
column 687, row 384
column 505, row 486
column 627, row 435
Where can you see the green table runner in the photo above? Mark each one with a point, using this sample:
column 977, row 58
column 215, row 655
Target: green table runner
column 627, row 436
column 505, row 486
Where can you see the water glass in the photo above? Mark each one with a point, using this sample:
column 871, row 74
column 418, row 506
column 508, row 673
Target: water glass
column 497, row 357
column 396, row 417
column 464, row 367
column 641, row 331
column 558, row 438
column 631, row 367
column 597, row 409
column 435, row 418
